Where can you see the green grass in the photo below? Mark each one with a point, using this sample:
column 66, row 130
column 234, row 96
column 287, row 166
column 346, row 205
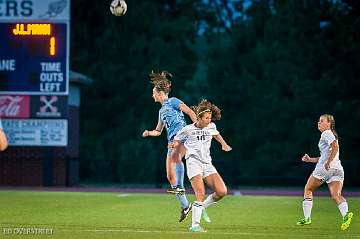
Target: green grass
column 137, row 216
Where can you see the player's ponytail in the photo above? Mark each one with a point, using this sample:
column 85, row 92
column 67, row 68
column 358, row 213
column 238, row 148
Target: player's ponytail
column 331, row 120
column 161, row 81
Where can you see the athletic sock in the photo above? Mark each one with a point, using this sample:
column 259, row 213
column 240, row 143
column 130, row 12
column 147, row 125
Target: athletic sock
column 343, row 207
column 179, row 171
column 210, row 200
column 197, row 208
column 307, row 206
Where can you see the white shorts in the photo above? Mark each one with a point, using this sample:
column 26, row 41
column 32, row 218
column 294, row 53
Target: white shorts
column 195, row 167
column 330, row 175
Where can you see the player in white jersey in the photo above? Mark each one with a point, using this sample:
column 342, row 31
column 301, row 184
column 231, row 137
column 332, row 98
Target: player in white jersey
column 197, row 140
column 3, row 140
column 328, row 169
column 171, row 118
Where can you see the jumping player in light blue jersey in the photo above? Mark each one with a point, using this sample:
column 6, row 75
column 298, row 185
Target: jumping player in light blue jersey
column 171, row 116
column 3, row 140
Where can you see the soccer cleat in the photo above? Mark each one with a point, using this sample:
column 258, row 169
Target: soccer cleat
column 176, row 190
column 185, row 212
column 347, row 221
column 304, row 221
column 197, row 229
column 205, row 216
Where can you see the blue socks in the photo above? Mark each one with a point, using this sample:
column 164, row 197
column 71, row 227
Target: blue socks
column 179, row 172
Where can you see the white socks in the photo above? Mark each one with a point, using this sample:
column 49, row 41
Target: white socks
column 307, row 206
column 209, row 201
column 308, row 203
column 197, row 209
column 343, row 207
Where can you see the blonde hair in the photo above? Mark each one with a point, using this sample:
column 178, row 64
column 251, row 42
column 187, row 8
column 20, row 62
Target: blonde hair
column 161, row 81
column 206, row 106
column 331, row 120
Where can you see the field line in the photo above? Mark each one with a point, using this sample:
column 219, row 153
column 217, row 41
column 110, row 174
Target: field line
column 210, row 232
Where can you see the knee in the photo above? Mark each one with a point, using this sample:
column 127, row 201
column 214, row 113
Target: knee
column 308, row 189
column 199, row 193
column 170, row 177
column 176, row 155
column 336, row 197
column 221, row 193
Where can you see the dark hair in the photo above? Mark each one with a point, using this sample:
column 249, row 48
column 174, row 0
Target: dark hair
column 206, row 106
column 331, row 120
column 161, row 81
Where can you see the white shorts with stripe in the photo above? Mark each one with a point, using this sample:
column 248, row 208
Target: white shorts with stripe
column 330, row 175
column 195, row 167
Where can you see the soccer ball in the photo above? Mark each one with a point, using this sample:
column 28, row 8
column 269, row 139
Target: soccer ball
column 118, row 7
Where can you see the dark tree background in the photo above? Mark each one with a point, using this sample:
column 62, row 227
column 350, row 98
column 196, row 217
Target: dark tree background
column 272, row 66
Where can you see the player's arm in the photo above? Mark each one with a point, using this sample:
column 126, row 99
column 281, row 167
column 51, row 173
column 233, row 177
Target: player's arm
column 224, row 145
column 308, row 159
column 156, row 132
column 334, row 150
column 187, row 110
column 3, row 140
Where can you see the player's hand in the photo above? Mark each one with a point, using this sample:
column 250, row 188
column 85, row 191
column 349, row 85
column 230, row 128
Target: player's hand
column 327, row 165
column 145, row 133
column 173, row 145
column 306, row 158
column 226, row 148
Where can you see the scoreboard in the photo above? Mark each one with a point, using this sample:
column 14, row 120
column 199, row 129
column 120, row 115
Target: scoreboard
column 33, row 57
column 34, row 48
column 34, row 71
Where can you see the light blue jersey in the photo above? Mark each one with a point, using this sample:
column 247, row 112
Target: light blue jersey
column 172, row 117
column 0, row 124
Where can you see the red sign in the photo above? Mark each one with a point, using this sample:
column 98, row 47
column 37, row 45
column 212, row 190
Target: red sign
column 14, row 106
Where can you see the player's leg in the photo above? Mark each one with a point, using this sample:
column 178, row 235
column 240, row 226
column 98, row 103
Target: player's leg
column 335, row 188
column 176, row 169
column 170, row 172
column 180, row 170
column 216, row 183
column 175, row 188
column 312, row 184
column 177, row 155
column 197, row 207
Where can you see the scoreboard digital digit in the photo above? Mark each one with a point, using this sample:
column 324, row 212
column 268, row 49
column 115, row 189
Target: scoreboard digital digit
column 33, row 57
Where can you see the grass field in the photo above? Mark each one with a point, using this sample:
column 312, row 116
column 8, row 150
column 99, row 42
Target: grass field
column 115, row 215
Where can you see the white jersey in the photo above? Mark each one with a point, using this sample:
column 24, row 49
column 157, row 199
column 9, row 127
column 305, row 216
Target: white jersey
column 197, row 141
column 327, row 137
